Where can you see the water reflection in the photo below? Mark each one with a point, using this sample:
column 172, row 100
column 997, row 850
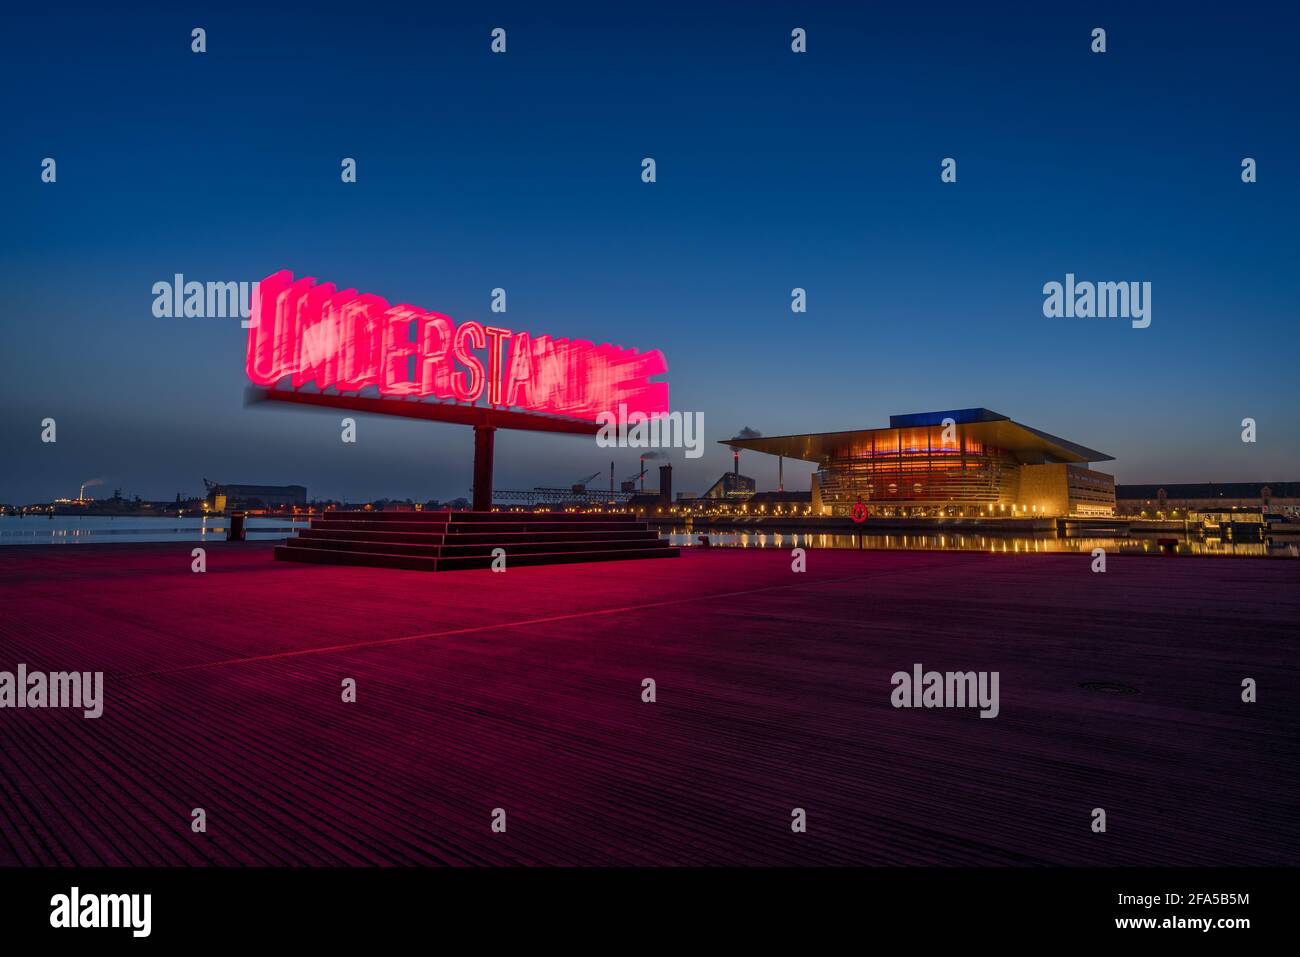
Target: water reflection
column 1183, row 545
column 71, row 529
column 76, row 529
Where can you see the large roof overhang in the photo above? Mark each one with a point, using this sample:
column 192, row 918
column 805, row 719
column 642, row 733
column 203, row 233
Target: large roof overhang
column 1027, row 443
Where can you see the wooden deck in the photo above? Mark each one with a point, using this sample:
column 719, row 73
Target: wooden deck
column 522, row 691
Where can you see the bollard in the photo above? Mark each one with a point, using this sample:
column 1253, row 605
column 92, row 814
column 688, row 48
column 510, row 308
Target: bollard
column 235, row 530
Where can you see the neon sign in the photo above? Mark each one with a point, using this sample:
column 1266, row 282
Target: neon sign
column 347, row 341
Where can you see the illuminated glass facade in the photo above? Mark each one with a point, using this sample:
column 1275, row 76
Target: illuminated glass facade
column 969, row 462
column 917, row 468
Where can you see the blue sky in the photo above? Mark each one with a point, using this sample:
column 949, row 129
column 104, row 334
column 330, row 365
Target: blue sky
column 775, row 170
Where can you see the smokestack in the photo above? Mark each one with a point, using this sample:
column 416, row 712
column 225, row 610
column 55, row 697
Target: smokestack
column 666, row 483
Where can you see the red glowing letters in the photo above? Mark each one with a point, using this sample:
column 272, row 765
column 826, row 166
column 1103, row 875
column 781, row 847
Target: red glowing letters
column 349, row 342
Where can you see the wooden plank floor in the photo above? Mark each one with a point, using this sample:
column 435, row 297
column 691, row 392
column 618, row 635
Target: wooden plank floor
column 522, row 691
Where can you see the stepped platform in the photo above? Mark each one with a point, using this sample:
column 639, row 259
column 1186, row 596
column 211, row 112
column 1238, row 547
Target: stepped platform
column 446, row 541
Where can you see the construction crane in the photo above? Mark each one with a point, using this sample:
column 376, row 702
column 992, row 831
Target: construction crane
column 629, row 483
column 580, row 486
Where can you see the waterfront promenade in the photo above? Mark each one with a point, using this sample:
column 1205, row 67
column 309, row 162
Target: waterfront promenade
column 523, row 691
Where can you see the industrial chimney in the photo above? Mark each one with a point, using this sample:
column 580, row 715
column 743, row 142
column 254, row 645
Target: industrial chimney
column 666, row 484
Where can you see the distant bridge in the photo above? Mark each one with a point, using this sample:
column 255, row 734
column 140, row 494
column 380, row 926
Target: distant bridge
column 578, row 496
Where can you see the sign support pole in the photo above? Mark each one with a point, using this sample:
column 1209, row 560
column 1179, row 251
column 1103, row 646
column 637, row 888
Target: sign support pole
column 485, row 421
column 484, row 439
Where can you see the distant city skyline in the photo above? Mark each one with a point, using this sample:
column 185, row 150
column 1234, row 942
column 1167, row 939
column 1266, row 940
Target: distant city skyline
column 775, row 170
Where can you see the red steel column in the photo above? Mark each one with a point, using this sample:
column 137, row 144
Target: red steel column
column 484, row 436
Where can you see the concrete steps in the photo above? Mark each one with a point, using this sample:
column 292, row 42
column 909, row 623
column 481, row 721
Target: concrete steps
column 444, row 541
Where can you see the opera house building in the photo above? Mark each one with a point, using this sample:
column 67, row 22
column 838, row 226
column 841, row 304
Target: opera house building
column 960, row 463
